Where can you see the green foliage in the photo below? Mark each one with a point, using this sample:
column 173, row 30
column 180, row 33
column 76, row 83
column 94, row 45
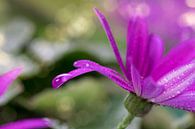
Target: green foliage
column 78, row 102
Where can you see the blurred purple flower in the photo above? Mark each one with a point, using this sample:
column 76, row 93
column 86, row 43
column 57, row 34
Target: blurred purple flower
column 7, row 78
column 173, row 20
column 5, row 82
column 168, row 80
column 35, row 123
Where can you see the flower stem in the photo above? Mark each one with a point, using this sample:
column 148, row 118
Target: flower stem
column 125, row 122
column 136, row 107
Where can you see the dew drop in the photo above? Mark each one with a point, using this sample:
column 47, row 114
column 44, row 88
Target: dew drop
column 75, row 63
column 81, row 64
column 87, row 65
column 60, row 80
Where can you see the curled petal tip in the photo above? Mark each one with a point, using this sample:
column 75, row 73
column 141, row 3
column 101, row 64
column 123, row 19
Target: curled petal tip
column 59, row 80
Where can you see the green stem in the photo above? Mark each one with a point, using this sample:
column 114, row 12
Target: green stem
column 125, row 122
column 137, row 107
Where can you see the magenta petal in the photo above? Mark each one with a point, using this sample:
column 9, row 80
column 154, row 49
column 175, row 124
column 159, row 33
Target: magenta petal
column 155, row 53
column 181, row 55
column 85, row 66
column 91, row 65
column 156, row 49
column 176, row 82
column 111, row 39
column 59, row 80
column 7, row 78
column 185, row 101
column 110, row 73
column 137, row 44
column 136, row 80
column 36, row 123
column 150, row 89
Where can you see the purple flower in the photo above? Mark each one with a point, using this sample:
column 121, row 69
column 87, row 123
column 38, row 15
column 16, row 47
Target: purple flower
column 35, row 123
column 161, row 16
column 166, row 80
column 7, row 78
column 5, row 81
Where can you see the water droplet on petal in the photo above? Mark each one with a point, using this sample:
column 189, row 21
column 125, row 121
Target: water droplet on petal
column 60, row 80
column 87, row 65
column 75, row 63
column 81, row 64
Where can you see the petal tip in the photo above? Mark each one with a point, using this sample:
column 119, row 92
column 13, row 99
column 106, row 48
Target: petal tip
column 15, row 72
column 18, row 70
column 99, row 14
column 96, row 10
column 59, row 80
column 48, row 122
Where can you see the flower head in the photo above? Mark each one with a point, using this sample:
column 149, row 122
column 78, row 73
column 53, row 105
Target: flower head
column 166, row 80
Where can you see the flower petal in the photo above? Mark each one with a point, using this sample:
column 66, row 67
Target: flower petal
column 156, row 48
column 36, row 123
column 59, row 80
column 176, row 82
column 155, row 53
column 181, row 55
column 185, row 101
column 136, row 80
column 7, row 78
column 111, row 39
column 137, row 44
column 85, row 66
column 150, row 89
column 110, row 73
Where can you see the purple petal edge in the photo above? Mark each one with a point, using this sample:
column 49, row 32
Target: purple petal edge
column 33, row 123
